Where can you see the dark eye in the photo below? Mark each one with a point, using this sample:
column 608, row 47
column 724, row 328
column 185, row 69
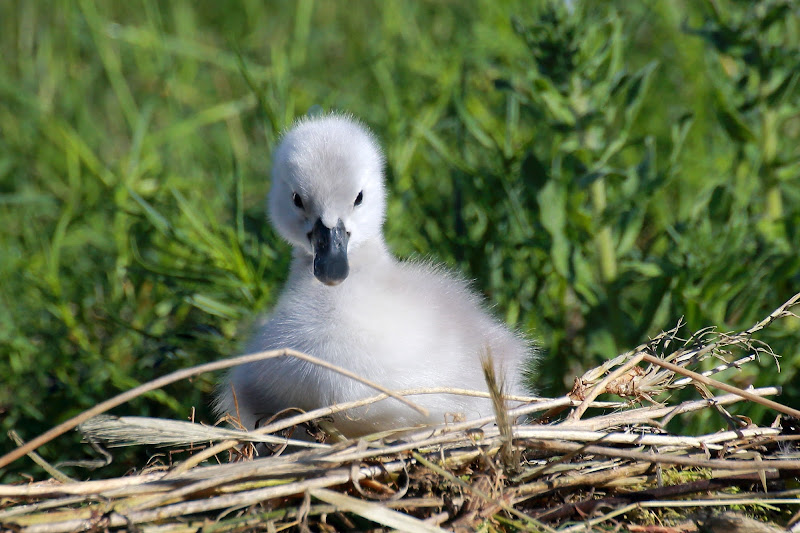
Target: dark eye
column 297, row 200
column 359, row 198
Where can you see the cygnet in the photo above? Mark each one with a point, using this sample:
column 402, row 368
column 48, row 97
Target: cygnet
column 348, row 301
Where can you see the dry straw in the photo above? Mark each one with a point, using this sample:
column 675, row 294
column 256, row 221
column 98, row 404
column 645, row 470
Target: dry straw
column 567, row 464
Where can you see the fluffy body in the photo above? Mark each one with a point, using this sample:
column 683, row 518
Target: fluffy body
column 401, row 324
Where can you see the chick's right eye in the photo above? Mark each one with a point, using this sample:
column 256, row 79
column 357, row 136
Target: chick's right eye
column 297, row 200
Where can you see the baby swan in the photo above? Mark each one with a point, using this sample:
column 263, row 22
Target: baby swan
column 350, row 302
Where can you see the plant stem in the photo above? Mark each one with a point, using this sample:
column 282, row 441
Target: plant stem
column 603, row 238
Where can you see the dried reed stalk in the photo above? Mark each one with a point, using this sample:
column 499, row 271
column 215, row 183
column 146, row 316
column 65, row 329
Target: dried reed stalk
column 454, row 475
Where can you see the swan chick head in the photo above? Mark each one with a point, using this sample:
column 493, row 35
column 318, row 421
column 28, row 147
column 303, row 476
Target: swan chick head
column 327, row 195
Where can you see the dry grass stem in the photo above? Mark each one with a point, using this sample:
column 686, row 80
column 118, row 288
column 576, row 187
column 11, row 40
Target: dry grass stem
column 603, row 461
column 179, row 376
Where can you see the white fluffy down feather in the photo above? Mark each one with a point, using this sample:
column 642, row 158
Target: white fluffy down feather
column 350, row 302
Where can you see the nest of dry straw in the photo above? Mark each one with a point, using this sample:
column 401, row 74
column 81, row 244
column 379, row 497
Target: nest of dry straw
column 560, row 470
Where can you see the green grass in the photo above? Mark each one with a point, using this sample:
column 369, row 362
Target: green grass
column 598, row 174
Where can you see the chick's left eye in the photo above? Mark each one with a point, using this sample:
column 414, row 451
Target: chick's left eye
column 359, row 198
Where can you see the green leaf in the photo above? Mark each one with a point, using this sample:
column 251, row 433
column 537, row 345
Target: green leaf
column 159, row 221
column 732, row 121
column 646, row 269
column 556, row 104
column 636, row 90
column 213, row 307
column 553, row 208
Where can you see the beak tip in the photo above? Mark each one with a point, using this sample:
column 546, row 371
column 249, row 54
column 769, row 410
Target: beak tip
column 331, row 274
column 331, row 282
column 330, row 253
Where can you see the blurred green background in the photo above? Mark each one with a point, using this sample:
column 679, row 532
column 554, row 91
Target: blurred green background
column 600, row 169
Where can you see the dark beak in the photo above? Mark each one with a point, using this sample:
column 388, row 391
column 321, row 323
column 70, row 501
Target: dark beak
column 330, row 252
